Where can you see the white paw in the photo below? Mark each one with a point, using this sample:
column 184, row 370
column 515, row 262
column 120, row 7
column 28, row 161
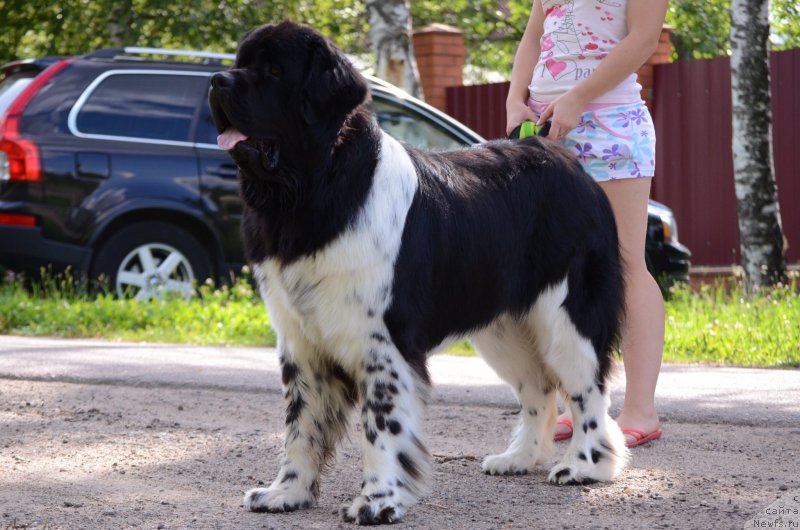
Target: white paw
column 379, row 508
column 598, row 464
column 509, row 463
column 571, row 472
column 277, row 499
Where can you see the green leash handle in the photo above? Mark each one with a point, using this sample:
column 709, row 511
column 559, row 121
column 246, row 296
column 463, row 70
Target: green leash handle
column 526, row 129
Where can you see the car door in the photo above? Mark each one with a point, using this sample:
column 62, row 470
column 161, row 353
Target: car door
column 131, row 147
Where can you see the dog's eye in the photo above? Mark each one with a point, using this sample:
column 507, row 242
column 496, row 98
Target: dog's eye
column 274, row 71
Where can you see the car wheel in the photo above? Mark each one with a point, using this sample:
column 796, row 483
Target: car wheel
column 151, row 260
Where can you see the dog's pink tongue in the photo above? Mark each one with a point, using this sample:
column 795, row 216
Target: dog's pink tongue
column 228, row 139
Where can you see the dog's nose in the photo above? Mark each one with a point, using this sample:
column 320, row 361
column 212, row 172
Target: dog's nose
column 221, row 80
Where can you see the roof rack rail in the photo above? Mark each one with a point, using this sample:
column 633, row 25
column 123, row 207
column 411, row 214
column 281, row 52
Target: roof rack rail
column 110, row 53
column 184, row 53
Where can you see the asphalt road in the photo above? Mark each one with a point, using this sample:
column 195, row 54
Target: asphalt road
column 116, row 435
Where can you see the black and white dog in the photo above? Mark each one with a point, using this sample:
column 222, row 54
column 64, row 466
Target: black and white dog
column 370, row 255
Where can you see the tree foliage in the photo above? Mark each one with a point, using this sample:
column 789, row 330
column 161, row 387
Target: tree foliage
column 785, row 24
column 33, row 28
column 492, row 29
column 702, row 29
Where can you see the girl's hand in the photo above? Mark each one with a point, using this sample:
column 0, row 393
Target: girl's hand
column 564, row 113
column 516, row 113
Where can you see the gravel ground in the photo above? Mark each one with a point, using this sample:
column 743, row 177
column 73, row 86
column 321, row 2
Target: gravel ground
column 120, row 453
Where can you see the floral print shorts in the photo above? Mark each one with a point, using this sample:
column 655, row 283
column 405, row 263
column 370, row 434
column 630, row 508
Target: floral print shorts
column 613, row 141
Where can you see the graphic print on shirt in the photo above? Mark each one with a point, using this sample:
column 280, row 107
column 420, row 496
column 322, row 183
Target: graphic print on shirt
column 565, row 39
column 562, row 37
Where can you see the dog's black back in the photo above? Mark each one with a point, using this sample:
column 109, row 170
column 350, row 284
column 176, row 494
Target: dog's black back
column 515, row 215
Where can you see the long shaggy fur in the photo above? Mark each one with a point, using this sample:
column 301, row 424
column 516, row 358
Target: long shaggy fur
column 370, row 255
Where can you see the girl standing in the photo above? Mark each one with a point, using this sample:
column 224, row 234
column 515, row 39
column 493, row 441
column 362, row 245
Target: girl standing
column 576, row 67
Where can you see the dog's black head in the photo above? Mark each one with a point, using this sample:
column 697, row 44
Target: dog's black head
column 283, row 102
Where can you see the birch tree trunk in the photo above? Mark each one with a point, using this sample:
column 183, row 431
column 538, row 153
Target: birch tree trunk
column 119, row 24
column 390, row 32
column 761, row 234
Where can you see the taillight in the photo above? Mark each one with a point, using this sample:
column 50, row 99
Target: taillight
column 17, row 219
column 19, row 157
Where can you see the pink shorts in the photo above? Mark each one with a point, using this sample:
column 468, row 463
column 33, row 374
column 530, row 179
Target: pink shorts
column 612, row 141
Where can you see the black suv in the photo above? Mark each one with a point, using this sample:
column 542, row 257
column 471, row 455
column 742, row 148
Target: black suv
column 109, row 166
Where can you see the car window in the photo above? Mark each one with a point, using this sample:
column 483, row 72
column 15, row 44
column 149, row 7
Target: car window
column 150, row 106
column 11, row 87
column 412, row 127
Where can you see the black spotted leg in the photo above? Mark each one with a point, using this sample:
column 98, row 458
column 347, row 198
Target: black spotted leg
column 319, row 396
column 396, row 464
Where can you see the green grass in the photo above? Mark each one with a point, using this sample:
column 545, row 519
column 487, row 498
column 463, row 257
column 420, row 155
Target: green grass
column 715, row 325
column 720, row 325
column 224, row 316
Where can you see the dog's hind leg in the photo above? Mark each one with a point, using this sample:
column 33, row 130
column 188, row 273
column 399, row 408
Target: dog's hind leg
column 319, row 394
column 597, row 449
column 509, row 349
column 396, row 464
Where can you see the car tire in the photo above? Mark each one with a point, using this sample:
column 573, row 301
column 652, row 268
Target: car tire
column 151, row 260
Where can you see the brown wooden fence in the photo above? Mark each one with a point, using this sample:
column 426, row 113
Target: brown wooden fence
column 692, row 114
column 694, row 162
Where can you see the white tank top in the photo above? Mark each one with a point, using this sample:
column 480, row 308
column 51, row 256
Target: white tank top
column 578, row 34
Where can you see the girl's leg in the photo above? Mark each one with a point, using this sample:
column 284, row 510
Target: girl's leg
column 643, row 329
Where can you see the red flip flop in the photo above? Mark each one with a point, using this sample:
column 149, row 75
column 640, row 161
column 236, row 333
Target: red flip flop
column 563, row 435
column 640, row 437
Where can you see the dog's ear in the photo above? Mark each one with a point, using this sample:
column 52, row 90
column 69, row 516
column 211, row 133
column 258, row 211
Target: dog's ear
column 333, row 88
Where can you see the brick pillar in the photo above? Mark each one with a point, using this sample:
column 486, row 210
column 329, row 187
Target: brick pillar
column 662, row 55
column 440, row 54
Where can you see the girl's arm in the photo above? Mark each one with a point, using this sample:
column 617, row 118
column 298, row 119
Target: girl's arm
column 525, row 60
column 645, row 20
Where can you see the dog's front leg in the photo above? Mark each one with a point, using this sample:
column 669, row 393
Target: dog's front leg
column 319, row 395
column 396, row 464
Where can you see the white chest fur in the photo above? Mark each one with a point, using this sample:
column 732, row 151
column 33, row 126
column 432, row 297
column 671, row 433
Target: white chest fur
column 334, row 299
